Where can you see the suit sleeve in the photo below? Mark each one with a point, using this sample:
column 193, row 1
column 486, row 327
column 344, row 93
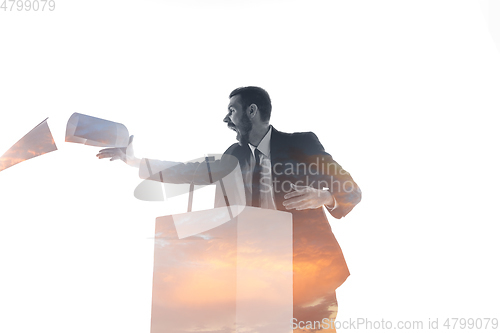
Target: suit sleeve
column 345, row 192
column 198, row 172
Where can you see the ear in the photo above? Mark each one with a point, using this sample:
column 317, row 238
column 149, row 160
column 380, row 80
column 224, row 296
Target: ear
column 252, row 110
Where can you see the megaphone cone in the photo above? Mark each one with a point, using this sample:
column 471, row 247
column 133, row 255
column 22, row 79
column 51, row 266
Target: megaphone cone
column 36, row 142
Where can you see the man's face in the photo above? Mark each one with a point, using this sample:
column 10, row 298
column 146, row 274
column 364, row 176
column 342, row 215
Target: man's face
column 238, row 120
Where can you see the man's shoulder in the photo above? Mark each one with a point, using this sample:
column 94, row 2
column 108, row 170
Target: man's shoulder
column 295, row 138
column 297, row 143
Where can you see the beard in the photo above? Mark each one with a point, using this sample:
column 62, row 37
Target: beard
column 243, row 130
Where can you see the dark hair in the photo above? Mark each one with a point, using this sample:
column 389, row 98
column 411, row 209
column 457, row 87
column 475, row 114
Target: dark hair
column 257, row 96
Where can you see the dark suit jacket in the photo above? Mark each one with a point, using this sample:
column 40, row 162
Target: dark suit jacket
column 300, row 158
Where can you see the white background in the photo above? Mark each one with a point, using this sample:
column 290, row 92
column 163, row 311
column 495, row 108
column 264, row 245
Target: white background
column 403, row 94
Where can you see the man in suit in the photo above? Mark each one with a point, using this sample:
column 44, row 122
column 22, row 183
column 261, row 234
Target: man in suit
column 284, row 171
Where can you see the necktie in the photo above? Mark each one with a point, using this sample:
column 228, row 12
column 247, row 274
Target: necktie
column 256, row 180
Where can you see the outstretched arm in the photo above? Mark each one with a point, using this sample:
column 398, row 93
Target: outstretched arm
column 199, row 172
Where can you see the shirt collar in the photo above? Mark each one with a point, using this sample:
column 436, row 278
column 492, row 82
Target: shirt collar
column 265, row 144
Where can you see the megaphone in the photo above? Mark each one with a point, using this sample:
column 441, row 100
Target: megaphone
column 36, row 142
